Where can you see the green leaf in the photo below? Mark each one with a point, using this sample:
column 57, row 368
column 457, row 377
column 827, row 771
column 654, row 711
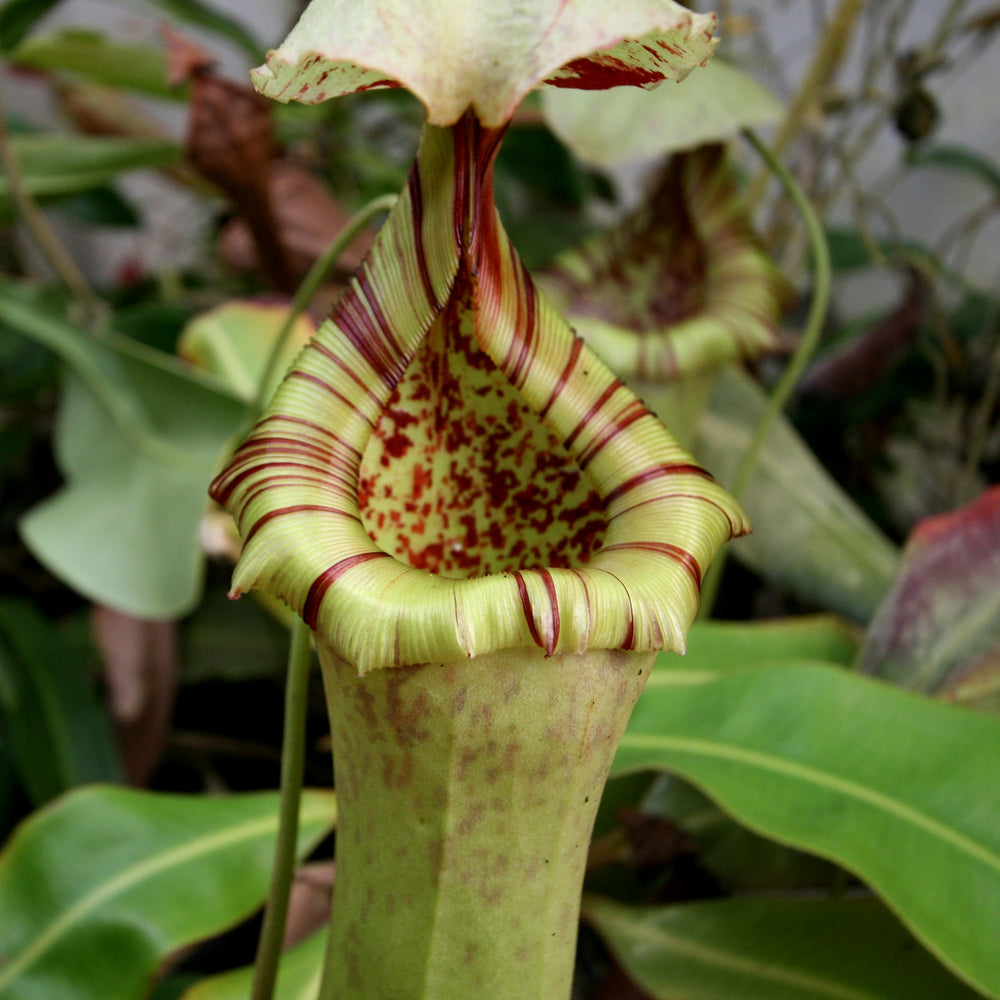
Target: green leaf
column 208, row 16
column 298, row 976
column 102, row 60
column 234, row 341
column 628, row 124
column 771, row 949
column 739, row 859
column 55, row 166
column 57, row 730
column 808, row 536
column 957, row 158
column 101, row 886
column 138, row 437
column 718, row 644
column 899, row 789
column 18, row 17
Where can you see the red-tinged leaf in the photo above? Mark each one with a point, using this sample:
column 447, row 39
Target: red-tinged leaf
column 938, row 629
column 680, row 285
column 449, row 471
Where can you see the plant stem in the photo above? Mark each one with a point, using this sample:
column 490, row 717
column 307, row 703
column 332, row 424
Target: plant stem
column 822, row 277
column 309, row 286
column 292, row 764
column 299, row 658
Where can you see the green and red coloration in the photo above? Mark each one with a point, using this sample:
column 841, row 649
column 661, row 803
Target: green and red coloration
column 483, row 57
column 445, row 403
column 491, row 537
column 680, row 286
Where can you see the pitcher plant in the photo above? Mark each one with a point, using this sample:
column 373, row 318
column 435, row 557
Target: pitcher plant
column 489, row 534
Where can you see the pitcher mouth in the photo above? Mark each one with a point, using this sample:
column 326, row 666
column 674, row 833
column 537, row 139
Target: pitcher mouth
column 441, row 350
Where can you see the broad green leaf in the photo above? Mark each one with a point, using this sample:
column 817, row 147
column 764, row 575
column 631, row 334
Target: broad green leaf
column 298, row 976
column 100, row 59
column 486, row 57
column 897, row 788
column 628, row 124
column 18, row 17
column 938, row 629
column 104, row 884
column 55, row 166
column 715, row 645
column 57, row 730
column 137, row 438
column 234, row 341
column 738, row 857
column 771, row 949
column 808, row 536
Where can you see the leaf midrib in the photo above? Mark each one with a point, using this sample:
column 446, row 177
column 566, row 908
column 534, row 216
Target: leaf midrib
column 128, row 879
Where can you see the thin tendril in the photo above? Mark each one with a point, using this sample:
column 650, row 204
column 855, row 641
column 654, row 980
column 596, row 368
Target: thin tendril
column 308, row 288
column 292, row 764
column 808, row 343
column 299, row 658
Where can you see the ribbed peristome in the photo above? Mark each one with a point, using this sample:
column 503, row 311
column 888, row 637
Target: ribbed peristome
column 681, row 285
column 448, row 470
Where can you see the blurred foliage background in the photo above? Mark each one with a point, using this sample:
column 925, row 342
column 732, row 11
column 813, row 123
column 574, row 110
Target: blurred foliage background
column 156, row 218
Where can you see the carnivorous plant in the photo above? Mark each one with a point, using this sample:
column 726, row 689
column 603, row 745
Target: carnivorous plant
column 490, row 535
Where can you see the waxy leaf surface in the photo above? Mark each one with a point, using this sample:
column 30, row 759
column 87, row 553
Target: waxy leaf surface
column 101, row 886
column 771, row 949
column 897, row 788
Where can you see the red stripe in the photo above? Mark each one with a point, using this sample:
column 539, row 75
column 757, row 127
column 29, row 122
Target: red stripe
column 674, row 552
column 326, row 387
column 650, row 475
column 348, row 371
column 295, row 509
column 733, row 529
column 326, row 579
column 526, row 323
column 633, row 412
column 417, row 202
column 574, row 356
column 222, row 489
column 529, row 617
column 553, row 639
column 615, row 385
